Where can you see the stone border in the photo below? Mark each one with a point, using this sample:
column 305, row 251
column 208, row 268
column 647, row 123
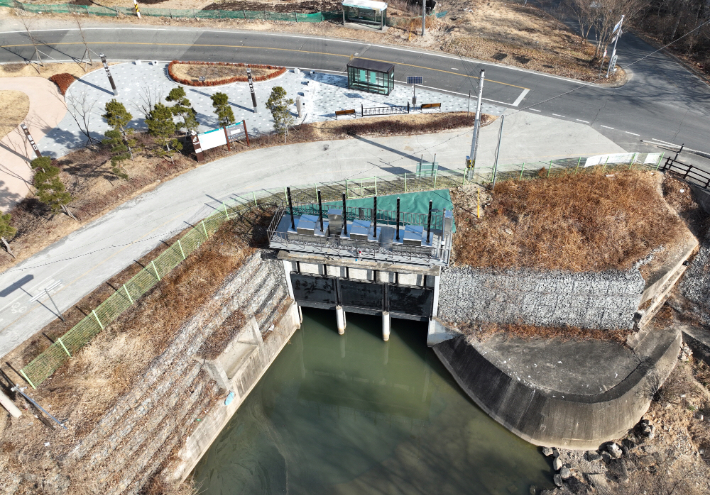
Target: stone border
column 551, row 418
column 228, row 80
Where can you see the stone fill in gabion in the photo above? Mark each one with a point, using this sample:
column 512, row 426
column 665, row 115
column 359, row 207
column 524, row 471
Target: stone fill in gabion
column 604, row 300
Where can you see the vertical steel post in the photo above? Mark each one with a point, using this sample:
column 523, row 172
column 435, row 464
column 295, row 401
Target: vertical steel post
column 374, row 216
column 423, row 16
column 320, row 211
column 290, row 207
column 246, row 133
column 345, row 215
column 397, row 219
column 428, row 223
column 251, row 88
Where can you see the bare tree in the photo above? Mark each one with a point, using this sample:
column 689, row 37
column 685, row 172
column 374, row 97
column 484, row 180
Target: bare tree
column 148, row 96
column 86, row 57
column 81, row 108
column 602, row 16
column 36, row 58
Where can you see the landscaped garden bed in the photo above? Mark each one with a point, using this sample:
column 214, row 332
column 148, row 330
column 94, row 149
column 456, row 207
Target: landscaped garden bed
column 218, row 73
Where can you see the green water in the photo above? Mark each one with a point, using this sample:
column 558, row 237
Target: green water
column 352, row 414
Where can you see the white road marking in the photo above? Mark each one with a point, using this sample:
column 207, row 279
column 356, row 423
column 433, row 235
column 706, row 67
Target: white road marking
column 585, row 121
column 557, row 115
column 632, row 133
column 454, row 68
column 607, row 127
column 520, row 97
column 533, row 110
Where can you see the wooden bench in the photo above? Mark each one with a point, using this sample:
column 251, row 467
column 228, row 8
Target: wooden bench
column 343, row 112
column 431, row 105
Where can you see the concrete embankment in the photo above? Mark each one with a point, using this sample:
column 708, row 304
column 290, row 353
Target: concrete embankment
column 157, row 418
column 558, row 407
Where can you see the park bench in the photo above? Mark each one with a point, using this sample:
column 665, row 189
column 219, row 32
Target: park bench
column 344, row 112
column 431, row 105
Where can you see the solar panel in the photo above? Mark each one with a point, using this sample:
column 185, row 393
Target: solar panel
column 415, row 79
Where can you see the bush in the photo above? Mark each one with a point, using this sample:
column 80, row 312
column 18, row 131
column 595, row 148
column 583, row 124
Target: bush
column 63, row 81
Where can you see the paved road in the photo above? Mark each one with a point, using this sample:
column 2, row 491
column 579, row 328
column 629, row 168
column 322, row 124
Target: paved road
column 88, row 257
column 661, row 101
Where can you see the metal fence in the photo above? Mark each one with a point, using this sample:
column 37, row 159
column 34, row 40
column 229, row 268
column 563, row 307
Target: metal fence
column 64, row 8
column 44, row 365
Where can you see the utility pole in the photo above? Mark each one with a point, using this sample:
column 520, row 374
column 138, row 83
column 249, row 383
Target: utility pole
column 476, row 125
column 423, row 17
column 612, row 60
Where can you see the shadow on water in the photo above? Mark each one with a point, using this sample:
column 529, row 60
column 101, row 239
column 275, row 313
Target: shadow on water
column 352, row 414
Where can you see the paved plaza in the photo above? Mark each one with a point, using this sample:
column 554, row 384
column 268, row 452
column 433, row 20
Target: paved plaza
column 141, row 82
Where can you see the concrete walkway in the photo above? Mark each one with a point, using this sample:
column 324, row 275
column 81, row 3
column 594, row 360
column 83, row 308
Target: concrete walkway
column 47, row 109
column 89, row 256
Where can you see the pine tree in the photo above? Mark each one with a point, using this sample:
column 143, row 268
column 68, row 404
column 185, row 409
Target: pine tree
column 50, row 189
column 222, row 109
column 183, row 108
column 278, row 104
column 119, row 138
column 7, row 231
column 161, row 125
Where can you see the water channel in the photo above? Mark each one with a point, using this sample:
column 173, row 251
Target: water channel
column 355, row 415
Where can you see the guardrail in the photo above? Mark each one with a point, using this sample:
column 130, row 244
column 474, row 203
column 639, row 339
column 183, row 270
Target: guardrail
column 59, row 352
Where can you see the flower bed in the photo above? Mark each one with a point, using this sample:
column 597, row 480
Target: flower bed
column 63, row 81
column 277, row 71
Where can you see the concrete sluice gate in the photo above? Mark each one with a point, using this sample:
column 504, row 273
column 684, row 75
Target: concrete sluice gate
column 362, row 259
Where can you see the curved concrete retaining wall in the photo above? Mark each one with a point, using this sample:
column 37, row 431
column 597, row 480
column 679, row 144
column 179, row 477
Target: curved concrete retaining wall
column 586, row 300
column 552, row 418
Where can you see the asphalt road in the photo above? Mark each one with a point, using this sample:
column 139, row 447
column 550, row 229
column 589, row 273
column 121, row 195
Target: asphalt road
column 660, row 101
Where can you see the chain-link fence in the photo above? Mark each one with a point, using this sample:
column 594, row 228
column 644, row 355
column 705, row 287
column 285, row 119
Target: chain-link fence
column 65, row 8
column 44, row 365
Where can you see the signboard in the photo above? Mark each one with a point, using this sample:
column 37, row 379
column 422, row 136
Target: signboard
column 216, row 137
column 415, row 80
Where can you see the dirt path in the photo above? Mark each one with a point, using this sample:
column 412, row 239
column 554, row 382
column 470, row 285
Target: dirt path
column 46, row 111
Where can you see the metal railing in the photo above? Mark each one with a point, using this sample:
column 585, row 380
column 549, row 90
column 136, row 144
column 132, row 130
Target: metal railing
column 687, row 172
column 388, row 110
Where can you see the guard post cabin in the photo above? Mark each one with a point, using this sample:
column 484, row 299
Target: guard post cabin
column 365, row 12
column 371, row 76
column 363, row 259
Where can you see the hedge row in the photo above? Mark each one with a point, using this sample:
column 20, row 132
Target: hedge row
column 227, row 80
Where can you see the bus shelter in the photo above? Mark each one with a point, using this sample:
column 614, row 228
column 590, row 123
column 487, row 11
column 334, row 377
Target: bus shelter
column 370, row 76
column 365, row 12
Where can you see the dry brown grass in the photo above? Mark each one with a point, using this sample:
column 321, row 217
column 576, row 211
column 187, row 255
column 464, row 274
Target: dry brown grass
column 216, row 343
column 15, row 105
column 93, row 380
column 48, row 70
column 216, row 72
column 483, row 331
column 583, row 222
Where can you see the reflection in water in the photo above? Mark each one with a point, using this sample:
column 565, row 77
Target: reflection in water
column 352, row 414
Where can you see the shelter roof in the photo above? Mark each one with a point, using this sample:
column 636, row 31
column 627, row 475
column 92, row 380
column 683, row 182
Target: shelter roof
column 363, row 63
column 365, row 4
